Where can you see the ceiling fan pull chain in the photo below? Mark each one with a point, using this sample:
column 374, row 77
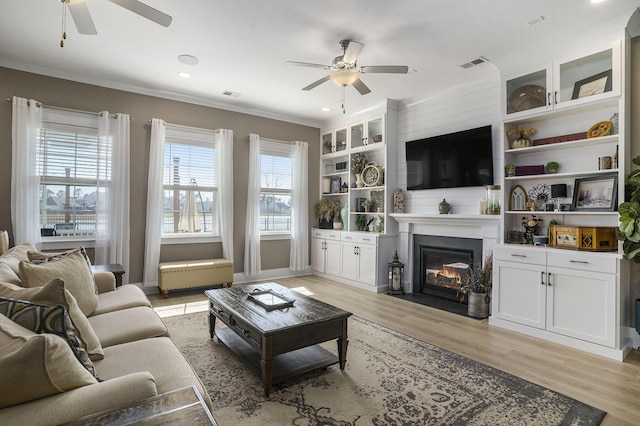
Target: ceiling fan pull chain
column 64, row 22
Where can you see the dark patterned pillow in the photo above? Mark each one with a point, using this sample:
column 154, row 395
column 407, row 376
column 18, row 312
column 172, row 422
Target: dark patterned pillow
column 51, row 319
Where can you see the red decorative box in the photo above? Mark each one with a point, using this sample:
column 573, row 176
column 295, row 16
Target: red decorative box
column 530, row 170
column 558, row 139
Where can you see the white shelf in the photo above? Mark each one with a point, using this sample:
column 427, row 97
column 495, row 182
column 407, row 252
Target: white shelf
column 562, row 175
column 564, row 145
column 567, row 213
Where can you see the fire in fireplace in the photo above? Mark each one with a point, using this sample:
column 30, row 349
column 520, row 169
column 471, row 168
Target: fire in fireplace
column 442, row 263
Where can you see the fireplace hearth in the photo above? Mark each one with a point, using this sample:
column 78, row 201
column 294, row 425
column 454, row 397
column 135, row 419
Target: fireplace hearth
column 440, row 264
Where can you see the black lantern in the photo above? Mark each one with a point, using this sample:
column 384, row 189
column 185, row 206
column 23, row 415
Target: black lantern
column 396, row 274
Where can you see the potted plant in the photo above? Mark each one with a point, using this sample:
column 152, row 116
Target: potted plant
column 628, row 230
column 552, row 167
column 510, row 170
column 477, row 287
column 368, row 205
column 361, row 222
column 326, row 211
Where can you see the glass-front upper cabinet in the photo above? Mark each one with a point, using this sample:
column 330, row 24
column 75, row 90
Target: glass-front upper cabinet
column 588, row 78
column 375, row 131
column 334, row 142
column 356, row 133
column 367, row 133
column 529, row 92
column 565, row 83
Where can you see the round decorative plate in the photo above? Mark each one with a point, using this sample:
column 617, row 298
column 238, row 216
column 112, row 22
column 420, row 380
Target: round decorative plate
column 372, row 175
column 599, row 129
column 526, row 97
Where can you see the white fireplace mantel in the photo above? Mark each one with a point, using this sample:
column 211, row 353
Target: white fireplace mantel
column 484, row 227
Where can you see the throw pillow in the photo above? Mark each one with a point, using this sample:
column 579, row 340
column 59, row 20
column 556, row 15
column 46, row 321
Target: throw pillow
column 75, row 272
column 46, row 319
column 7, row 275
column 15, row 255
column 39, row 257
column 54, row 293
column 34, row 365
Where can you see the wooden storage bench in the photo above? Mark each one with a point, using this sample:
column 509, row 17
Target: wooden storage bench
column 194, row 273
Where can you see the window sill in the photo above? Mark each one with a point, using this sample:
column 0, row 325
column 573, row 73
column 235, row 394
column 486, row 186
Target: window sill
column 190, row 239
column 269, row 237
column 57, row 243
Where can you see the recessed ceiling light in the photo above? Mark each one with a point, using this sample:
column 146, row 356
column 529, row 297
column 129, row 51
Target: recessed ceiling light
column 188, row 59
column 326, row 109
column 184, row 74
column 596, row 1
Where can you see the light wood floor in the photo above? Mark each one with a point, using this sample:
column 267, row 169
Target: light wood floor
column 609, row 385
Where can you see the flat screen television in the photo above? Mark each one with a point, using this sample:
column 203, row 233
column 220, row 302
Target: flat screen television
column 454, row 160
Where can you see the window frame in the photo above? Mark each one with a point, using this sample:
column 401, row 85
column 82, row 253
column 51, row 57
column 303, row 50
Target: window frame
column 282, row 149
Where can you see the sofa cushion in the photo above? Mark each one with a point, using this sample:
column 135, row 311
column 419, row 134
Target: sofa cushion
column 8, row 276
column 124, row 297
column 54, row 293
column 75, row 272
column 39, row 257
column 46, row 319
column 36, row 365
column 15, row 255
column 127, row 325
column 158, row 356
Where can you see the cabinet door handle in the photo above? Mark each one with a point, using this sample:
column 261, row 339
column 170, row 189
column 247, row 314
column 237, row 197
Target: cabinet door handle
column 549, row 98
column 583, row 262
column 518, row 255
column 555, row 97
column 549, row 279
column 541, row 277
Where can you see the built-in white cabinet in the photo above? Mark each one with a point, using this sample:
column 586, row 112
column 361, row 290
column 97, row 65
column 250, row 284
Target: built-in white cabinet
column 566, row 296
column 356, row 258
column 325, row 251
column 367, row 133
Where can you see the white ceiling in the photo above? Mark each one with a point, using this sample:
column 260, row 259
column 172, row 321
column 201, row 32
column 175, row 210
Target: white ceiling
column 242, row 46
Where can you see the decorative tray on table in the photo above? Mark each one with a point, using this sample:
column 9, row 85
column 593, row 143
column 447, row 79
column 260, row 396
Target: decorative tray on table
column 269, row 299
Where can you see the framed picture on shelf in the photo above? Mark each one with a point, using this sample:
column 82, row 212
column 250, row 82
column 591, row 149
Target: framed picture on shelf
column 594, row 85
column 329, row 168
column 336, row 185
column 596, row 193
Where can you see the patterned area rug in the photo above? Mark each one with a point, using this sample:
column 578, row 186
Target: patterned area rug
column 389, row 379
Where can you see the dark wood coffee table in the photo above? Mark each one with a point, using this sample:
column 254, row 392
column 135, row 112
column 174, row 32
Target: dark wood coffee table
column 277, row 344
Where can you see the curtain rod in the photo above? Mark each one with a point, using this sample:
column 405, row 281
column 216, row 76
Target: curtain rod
column 41, row 105
column 186, row 127
column 274, row 140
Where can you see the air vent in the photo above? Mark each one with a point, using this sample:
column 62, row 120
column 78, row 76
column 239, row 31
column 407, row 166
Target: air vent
column 477, row 61
column 232, row 94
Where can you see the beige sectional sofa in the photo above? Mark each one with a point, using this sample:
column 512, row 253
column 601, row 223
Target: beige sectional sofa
column 127, row 342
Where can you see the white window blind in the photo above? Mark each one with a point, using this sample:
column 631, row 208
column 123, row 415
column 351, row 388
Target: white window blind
column 190, row 183
column 72, row 165
column 275, row 187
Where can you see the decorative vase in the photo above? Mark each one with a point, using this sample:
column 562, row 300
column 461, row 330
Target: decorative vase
column 521, row 142
column 530, row 231
column 444, row 207
column 325, row 224
column 359, row 181
column 478, row 306
column 344, row 214
column 509, row 171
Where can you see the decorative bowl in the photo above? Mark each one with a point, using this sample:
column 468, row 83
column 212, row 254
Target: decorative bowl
column 377, row 138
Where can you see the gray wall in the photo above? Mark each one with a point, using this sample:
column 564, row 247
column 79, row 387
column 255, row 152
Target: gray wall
column 69, row 94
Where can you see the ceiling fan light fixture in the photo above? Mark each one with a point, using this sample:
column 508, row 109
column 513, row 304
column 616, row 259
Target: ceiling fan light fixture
column 344, row 77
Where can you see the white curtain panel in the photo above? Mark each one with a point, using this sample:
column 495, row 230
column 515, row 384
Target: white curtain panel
column 25, row 181
column 252, row 260
column 153, row 238
column 113, row 229
column 299, row 255
column 224, row 144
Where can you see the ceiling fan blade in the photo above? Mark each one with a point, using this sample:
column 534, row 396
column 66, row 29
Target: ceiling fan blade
column 361, row 87
column 308, row 64
column 317, row 83
column 353, row 51
column 390, row 69
column 145, row 11
column 82, row 18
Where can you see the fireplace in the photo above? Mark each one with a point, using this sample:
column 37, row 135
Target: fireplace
column 441, row 263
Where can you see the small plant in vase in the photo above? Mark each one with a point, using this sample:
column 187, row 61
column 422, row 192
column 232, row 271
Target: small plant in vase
column 361, row 222
column 368, row 205
column 521, row 141
column 530, row 226
column 552, row 167
column 326, row 211
column 510, row 170
column 358, row 162
column 477, row 288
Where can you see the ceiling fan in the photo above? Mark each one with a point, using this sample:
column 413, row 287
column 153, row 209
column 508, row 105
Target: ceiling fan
column 346, row 70
column 84, row 23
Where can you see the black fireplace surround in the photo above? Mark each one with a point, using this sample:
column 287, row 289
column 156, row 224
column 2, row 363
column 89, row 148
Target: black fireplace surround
column 440, row 263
